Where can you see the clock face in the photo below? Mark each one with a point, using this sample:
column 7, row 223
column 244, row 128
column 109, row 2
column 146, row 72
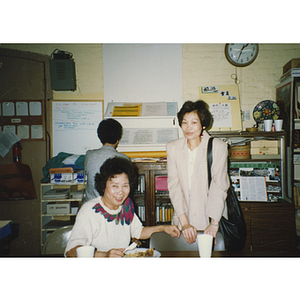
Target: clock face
column 241, row 55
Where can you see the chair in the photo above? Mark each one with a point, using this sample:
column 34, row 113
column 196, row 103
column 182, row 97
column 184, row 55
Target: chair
column 57, row 241
column 162, row 241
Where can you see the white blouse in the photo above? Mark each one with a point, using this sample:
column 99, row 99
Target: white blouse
column 191, row 160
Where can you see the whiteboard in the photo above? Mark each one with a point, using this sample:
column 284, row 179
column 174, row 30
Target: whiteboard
column 74, row 126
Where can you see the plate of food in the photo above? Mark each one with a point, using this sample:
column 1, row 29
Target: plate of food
column 142, row 252
column 266, row 110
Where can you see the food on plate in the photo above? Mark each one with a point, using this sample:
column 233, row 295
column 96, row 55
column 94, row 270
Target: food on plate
column 138, row 242
column 147, row 253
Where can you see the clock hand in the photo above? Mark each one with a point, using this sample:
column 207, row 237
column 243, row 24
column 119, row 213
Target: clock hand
column 244, row 46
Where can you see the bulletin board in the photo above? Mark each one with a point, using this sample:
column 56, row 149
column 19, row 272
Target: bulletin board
column 25, row 118
column 224, row 105
column 74, row 125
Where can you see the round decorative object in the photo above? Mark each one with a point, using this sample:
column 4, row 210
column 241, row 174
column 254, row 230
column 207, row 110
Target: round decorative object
column 241, row 55
column 240, row 152
column 266, row 110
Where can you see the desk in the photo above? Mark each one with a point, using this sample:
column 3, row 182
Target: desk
column 5, row 233
column 230, row 254
column 5, row 228
column 8, row 232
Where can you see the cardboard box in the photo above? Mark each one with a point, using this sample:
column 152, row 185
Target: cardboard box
column 58, row 208
column 78, row 177
column 264, row 150
column 61, row 178
column 292, row 64
column 265, row 143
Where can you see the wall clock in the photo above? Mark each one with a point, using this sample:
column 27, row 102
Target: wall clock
column 241, row 55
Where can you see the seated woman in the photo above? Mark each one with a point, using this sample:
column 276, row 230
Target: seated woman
column 109, row 222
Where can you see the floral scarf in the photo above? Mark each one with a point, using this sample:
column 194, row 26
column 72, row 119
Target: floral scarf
column 125, row 215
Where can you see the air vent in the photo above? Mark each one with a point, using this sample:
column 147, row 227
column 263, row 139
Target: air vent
column 62, row 75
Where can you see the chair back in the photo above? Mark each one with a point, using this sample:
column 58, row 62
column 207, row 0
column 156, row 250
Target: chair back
column 162, row 241
column 57, row 240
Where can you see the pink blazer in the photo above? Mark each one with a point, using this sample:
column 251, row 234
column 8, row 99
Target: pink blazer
column 200, row 203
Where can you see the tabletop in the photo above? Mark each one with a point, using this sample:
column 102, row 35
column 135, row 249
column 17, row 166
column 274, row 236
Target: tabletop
column 231, row 254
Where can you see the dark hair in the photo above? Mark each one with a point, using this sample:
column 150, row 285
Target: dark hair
column 200, row 107
column 109, row 131
column 115, row 166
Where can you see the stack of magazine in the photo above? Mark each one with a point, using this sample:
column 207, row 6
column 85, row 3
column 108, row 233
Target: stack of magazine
column 56, row 194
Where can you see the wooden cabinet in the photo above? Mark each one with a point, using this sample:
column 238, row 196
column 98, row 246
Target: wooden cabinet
column 149, row 198
column 270, row 226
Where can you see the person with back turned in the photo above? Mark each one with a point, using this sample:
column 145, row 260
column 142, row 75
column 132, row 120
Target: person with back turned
column 109, row 132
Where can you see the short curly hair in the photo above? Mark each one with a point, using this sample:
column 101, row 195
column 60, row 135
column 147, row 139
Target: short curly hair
column 115, row 166
column 201, row 108
column 109, row 131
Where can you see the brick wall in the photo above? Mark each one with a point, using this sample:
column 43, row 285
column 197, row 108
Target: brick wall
column 205, row 64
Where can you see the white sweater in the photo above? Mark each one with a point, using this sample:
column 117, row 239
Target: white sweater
column 92, row 228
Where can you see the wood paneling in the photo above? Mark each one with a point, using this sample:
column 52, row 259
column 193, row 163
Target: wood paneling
column 270, row 226
column 25, row 76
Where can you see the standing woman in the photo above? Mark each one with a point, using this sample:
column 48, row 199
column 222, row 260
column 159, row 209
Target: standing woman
column 195, row 206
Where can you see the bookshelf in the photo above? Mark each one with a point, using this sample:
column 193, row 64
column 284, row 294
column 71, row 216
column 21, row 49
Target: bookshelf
column 152, row 201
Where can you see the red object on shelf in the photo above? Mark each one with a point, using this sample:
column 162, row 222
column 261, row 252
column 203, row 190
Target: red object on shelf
column 161, row 183
column 17, row 153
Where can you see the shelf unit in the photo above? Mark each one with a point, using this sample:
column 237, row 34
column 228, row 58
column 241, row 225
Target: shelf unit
column 288, row 100
column 270, row 224
column 240, row 138
column 296, row 160
column 52, row 221
column 296, row 152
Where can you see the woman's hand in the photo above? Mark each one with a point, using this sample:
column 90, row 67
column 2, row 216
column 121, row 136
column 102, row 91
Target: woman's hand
column 110, row 253
column 212, row 230
column 189, row 233
column 172, row 230
column 115, row 252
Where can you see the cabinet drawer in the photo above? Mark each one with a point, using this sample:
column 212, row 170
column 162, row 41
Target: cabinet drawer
column 246, row 209
column 273, row 228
